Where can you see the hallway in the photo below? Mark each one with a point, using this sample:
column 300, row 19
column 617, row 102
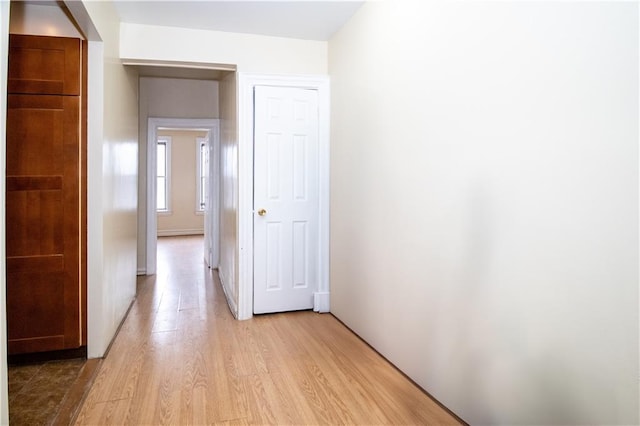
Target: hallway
column 181, row 358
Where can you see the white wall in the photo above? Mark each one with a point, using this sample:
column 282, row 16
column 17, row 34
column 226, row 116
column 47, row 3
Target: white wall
column 228, row 266
column 112, row 182
column 167, row 98
column 247, row 53
column 4, row 55
column 251, row 53
column 485, row 203
column 183, row 219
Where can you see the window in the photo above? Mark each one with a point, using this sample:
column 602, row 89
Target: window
column 202, row 161
column 164, row 174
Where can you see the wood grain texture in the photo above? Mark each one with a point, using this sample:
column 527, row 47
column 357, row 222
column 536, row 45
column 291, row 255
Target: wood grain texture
column 72, row 402
column 83, row 190
column 42, row 220
column 44, row 65
column 44, row 195
column 181, row 358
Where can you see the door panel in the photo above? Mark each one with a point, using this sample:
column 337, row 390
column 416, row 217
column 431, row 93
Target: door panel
column 33, row 118
column 286, row 240
column 43, row 223
column 300, row 260
column 274, row 256
column 44, row 65
column 39, row 329
column 36, row 218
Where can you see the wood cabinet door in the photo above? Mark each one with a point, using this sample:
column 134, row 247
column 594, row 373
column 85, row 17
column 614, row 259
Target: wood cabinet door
column 43, row 223
column 44, row 65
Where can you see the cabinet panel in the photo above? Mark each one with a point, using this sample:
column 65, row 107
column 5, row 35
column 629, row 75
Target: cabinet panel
column 44, row 65
column 43, row 211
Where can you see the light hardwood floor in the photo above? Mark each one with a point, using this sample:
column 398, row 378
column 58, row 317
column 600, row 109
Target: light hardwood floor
column 181, row 358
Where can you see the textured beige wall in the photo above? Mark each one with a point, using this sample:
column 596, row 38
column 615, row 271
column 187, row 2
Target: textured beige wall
column 182, row 219
column 484, row 203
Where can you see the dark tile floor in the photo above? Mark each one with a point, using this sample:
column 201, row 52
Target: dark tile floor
column 37, row 391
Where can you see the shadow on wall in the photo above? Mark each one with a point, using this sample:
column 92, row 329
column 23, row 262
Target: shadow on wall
column 477, row 320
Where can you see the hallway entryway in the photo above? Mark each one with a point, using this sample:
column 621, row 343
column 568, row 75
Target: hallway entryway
column 181, row 358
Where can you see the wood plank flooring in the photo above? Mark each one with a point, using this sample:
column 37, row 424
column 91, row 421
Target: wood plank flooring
column 181, row 358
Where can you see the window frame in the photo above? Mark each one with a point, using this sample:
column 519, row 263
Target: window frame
column 166, row 140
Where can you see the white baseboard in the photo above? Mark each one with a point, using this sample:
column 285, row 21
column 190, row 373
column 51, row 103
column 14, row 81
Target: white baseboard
column 321, row 301
column 178, row 232
column 232, row 304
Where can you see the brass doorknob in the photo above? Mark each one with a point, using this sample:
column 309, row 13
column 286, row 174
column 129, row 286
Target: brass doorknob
column 262, row 212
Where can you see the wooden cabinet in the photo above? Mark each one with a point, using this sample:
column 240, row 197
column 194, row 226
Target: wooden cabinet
column 44, row 65
column 44, row 231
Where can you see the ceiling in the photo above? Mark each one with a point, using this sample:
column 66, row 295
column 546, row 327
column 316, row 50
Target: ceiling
column 309, row 20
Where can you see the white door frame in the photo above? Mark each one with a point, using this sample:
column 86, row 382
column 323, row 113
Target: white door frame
column 211, row 169
column 213, row 127
column 246, row 83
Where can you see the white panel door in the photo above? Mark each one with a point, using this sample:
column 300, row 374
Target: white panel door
column 286, row 199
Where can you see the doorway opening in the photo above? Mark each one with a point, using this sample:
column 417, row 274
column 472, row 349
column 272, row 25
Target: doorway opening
column 208, row 146
column 247, row 210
